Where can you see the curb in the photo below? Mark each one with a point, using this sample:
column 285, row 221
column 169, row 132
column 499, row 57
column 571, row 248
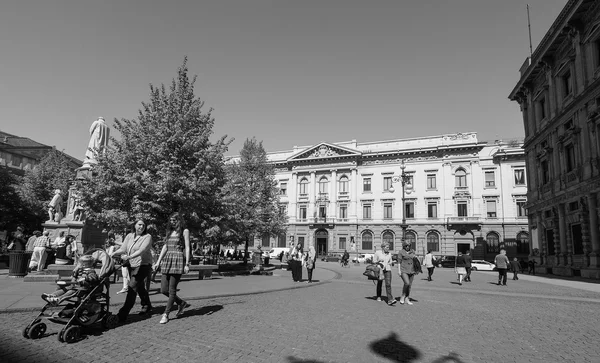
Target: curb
column 336, row 276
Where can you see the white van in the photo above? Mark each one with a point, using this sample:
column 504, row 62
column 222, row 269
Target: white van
column 276, row 251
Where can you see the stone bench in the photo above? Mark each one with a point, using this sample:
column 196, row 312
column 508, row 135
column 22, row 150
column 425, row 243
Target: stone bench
column 203, row 270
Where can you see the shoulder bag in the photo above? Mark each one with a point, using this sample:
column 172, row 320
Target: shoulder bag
column 373, row 272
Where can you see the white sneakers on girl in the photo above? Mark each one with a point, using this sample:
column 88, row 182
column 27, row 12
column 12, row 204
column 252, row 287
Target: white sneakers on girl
column 164, row 319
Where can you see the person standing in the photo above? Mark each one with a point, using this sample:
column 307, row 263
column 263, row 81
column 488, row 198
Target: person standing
column 515, row 266
column 38, row 259
column 135, row 255
column 429, row 262
column 296, row 262
column 18, row 240
column 31, row 241
column 174, row 261
column 502, row 264
column 461, row 269
column 406, row 271
column 468, row 265
column 383, row 259
column 531, row 264
column 311, row 258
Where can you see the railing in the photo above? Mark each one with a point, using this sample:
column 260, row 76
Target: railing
column 463, row 219
column 323, row 220
column 571, row 176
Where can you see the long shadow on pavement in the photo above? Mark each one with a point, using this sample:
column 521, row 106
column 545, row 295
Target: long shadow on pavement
column 296, row 360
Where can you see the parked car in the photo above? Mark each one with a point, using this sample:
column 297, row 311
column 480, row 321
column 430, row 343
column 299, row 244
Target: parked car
column 447, row 261
column 363, row 258
column 276, row 251
column 481, row 265
column 332, row 257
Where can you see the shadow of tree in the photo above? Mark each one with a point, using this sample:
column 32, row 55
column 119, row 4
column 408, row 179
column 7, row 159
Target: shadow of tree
column 394, row 349
column 296, row 360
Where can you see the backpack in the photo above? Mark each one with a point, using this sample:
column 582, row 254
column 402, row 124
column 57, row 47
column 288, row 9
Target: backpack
column 372, row 272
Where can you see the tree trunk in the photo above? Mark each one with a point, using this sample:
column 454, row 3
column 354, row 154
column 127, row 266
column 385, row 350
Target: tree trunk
column 246, row 252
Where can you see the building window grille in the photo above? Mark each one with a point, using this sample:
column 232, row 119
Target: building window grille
column 431, row 182
column 433, row 241
column 366, row 184
column 367, row 241
column 387, row 211
column 493, row 243
column 432, row 210
column 461, row 178
column 490, row 179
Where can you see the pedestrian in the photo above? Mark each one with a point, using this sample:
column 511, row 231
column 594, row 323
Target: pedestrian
column 31, row 241
column 522, row 265
column 468, row 265
column 136, row 257
column 406, row 271
column 502, row 264
column 460, row 267
column 429, row 262
column 174, row 261
column 531, row 264
column 62, row 252
column 309, row 262
column 18, row 240
column 38, row 258
column 296, row 262
column 384, row 260
column 515, row 267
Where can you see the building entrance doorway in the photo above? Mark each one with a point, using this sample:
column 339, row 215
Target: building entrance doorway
column 463, row 247
column 464, row 240
column 321, row 245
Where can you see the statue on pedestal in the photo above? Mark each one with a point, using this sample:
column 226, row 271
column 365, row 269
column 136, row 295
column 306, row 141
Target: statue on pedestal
column 99, row 133
column 55, row 207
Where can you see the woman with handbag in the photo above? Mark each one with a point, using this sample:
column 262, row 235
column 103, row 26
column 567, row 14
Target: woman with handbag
column 311, row 258
column 174, row 261
column 383, row 259
column 136, row 257
column 406, row 271
column 460, row 267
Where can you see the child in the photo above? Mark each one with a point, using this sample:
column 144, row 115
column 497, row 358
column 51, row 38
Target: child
column 84, row 278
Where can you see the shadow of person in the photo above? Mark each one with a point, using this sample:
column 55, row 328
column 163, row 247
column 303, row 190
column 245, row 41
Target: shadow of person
column 296, row 360
column 394, row 349
column 205, row 310
column 452, row 357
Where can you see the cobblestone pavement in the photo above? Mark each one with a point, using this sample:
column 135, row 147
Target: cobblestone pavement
column 340, row 321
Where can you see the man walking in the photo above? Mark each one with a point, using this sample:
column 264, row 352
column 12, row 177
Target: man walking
column 515, row 266
column 468, row 266
column 429, row 262
column 502, row 264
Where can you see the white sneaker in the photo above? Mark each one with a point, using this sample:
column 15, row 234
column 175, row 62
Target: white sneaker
column 402, row 300
column 408, row 302
column 164, row 319
column 378, row 299
column 122, row 291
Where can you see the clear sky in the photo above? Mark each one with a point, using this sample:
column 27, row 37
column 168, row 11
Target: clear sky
column 289, row 72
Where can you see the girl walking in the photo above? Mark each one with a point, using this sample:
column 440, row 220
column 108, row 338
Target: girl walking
column 173, row 261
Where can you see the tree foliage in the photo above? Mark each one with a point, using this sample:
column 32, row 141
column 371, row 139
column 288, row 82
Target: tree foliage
column 11, row 208
column 251, row 195
column 164, row 162
column 37, row 186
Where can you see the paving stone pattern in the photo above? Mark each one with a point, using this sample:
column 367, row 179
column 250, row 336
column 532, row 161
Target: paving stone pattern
column 340, row 321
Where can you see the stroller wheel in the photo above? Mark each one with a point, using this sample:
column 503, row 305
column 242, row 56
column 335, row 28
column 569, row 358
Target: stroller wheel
column 37, row 330
column 59, row 336
column 72, row 334
column 110, row 321
column 26, row 332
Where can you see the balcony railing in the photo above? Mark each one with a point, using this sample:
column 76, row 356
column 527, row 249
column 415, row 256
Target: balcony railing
column 464, row 219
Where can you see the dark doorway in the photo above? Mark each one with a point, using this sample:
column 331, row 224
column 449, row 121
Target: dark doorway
column 463, row 247
column 321, row 246
column 577, row 239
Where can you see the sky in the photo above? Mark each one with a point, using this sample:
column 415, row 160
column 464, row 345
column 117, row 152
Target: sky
column 290, row 73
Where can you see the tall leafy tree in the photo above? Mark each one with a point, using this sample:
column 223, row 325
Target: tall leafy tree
column 11, row 208
column 164, row 162
column 37, row 186
column 251, row 196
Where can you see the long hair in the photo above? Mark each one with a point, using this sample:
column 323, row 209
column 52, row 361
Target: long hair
column 144, row 231
column 179, row 226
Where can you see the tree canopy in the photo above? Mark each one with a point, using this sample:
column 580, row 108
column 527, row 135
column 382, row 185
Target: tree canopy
column 164, row 162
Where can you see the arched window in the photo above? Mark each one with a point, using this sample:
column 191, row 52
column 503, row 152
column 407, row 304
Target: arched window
column 389, row 238
column 343, row 184
column 460, row 177
column 303, row 186
column 367, row 241
column 433, row 241
column 493, row 243
column 266, row 240
column 412, row 238
column 323, row 185
column 523, row 243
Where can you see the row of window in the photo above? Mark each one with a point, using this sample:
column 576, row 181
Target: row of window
column 460, row 177
column 462, row 210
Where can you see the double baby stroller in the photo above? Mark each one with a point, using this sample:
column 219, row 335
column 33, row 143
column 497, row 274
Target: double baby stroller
column 82, row 306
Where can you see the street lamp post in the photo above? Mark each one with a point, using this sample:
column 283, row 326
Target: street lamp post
column 403, row 179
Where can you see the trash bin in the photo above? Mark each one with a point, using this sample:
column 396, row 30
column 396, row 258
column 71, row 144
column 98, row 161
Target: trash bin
column 18, row 261
column 267, row 260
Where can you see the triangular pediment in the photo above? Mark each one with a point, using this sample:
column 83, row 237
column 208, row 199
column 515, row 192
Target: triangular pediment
column 324, row 151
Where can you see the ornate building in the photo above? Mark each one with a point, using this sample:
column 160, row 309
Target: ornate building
column 559, row 95
column 460, row 194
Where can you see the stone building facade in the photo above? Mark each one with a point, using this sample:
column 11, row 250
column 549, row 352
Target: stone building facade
column 461, row 195
column 559, row 95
